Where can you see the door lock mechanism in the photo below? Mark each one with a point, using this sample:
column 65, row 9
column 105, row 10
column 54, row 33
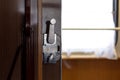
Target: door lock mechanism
column 51, row 53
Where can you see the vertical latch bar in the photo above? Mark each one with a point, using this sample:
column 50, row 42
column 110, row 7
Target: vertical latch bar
column 51, row 34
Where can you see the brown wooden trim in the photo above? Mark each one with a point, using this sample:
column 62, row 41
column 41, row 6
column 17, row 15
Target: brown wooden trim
column 29, row 42
column 33, row 53
column 40, row 39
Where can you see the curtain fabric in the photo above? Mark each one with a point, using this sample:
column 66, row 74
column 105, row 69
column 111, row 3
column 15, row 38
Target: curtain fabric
column 88, row 14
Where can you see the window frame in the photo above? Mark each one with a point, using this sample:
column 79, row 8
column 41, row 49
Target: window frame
column 116, row 16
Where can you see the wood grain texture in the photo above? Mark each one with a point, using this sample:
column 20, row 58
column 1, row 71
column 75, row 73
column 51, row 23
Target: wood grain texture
column 39, row 58
column 91, row 69
column 11, row 20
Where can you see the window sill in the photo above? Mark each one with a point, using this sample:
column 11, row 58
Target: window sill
column 78, row 56
column 82, row 56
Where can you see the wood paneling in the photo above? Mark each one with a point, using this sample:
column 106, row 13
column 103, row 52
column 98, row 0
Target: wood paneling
column 11, row 20
column 91, row 69
column 39, row 58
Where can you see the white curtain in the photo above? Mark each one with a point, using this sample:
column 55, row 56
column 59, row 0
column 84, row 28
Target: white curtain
column 88, row 14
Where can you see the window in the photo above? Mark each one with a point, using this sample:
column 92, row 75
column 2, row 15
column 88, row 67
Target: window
column 81, row 21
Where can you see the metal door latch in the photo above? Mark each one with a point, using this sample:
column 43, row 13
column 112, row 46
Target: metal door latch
column 50, row 47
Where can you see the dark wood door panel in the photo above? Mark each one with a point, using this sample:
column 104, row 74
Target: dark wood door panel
column 11, row 21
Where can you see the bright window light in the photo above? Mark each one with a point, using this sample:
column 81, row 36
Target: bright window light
column 88, row 14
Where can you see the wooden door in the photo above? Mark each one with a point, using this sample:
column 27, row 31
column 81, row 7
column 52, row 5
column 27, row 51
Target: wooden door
column 22, row 25
column 11, row 23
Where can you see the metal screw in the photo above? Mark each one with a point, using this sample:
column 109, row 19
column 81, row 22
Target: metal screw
column 53, row 21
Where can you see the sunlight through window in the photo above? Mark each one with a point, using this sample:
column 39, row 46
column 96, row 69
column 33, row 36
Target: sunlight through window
column 88, row 14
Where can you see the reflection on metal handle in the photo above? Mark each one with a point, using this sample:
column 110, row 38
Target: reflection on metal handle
column 51, row 31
